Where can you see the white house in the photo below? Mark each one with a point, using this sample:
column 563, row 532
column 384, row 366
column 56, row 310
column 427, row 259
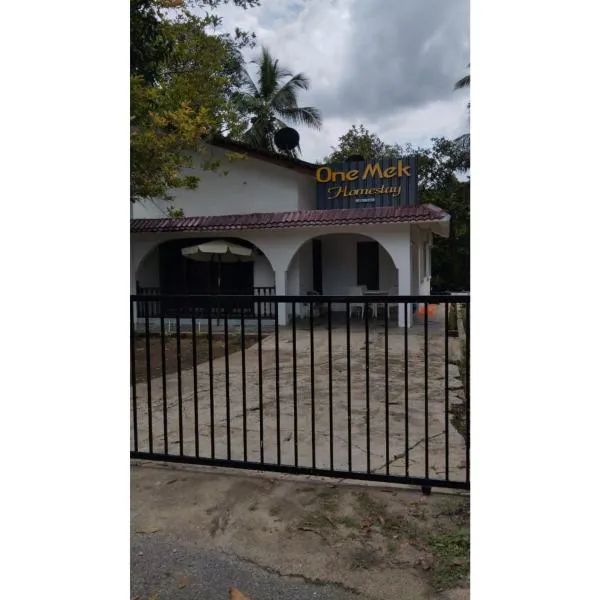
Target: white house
column 289, row 212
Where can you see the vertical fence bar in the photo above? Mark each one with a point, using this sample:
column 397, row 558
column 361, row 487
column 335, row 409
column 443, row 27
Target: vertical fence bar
column 312, row 384
column 148, row 378
column 367, row 387
column 179, row 383
column 330, row 357
column 467, row 385
column 260, row 388
column 277, row 392
column 406, row 445
column 195, row 361
column 164, row 383
column 426, row 390
column 349, row 386
column 227, row 390
column 133, row 374
column 387, row 387
column 295, row 382
column 446, row 391
column 244, row 407
column 211, row 379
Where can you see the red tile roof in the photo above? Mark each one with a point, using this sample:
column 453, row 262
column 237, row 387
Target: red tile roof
column 300, row 218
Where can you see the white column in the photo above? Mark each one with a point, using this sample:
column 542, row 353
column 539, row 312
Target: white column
column 280, row 290
column 402, row 260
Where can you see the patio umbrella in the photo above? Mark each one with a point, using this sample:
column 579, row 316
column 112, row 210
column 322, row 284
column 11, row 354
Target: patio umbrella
column 219, row 251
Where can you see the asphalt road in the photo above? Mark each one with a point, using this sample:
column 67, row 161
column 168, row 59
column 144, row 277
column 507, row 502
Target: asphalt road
column 173, row 570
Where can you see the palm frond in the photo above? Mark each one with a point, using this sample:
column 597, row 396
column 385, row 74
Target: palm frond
column 272, row 100
column 463, row 83
column 302, row 115
column 248, row 84
column 247, row 103
column 270, row 73
column 286, row 95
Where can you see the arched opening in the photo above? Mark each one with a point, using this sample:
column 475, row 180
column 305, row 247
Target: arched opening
column 165, row 270
column 334, row 263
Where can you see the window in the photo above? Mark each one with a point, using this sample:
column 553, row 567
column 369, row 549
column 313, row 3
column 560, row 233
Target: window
column 367, row 264
column 317, row 253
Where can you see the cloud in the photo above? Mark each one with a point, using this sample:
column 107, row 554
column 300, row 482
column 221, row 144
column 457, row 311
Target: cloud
column 388, row 64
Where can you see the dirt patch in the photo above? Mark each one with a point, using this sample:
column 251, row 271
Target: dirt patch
column 412, row 546
column 153, row 348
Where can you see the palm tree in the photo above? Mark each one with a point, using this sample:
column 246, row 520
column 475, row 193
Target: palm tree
column 272, row 102
column 464, row 141
column 465, row 82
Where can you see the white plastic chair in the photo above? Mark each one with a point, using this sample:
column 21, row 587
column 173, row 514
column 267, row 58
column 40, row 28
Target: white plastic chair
column 384, row 305
column 357, row 290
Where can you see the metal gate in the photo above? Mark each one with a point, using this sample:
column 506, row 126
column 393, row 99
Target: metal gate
column 318, row 385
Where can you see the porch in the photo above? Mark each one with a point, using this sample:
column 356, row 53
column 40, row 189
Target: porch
column 340, row 264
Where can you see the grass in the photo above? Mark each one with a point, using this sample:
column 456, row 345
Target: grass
column 450, row 553
column 375, row 532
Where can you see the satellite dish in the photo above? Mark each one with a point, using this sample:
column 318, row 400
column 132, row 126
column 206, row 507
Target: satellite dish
column 287, row 138
column 355, row 158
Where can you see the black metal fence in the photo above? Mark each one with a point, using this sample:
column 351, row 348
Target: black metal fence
column 330, row 385
column 168, row 307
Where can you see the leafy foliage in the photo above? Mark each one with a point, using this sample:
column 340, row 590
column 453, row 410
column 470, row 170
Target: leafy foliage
column 148, row 46
column 439, row 167
column 272, row 102
column 182, row 79
column 359, row 140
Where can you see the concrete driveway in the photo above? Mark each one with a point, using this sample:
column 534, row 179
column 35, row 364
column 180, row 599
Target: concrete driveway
column 336, row 401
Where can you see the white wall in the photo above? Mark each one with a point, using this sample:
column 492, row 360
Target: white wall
column 388, row 274
column 307, row 187
column 263, row 273
column 340, row 263
column 421, row 238
column 250, row 186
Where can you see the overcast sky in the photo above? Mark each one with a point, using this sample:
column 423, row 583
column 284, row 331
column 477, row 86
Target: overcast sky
column 389, row 64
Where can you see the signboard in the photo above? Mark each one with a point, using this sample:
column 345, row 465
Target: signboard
column 387, row 182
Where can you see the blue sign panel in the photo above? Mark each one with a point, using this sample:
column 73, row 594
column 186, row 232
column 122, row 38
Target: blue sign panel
column 387, row 182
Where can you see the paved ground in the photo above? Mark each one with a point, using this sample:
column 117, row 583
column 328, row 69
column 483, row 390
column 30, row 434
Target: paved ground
column 279, row 387
column 197, row 531
column 177, row 569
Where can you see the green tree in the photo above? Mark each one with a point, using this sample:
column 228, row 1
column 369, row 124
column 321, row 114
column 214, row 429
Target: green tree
column 148, row 46
column 359, row 140
column 181, row 84
column 439, row 184
column 272, row 102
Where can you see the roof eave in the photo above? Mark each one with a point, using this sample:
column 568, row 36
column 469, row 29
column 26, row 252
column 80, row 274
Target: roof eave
column 266, row 156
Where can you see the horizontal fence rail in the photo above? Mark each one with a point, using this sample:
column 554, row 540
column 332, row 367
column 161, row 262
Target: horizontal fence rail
column 169, row 308
column 358, row 387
